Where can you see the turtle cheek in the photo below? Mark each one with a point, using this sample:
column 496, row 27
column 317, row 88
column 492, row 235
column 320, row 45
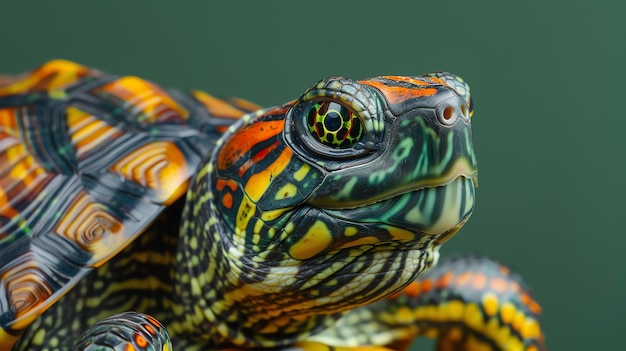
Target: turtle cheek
column 312, row 242
column 313, row 233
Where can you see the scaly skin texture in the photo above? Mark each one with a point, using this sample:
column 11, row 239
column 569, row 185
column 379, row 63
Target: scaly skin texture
column 294, row 216
column 465, row 303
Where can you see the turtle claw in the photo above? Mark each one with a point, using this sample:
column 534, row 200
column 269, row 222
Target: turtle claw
column 125, row 331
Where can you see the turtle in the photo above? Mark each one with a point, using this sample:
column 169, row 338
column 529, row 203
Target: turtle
column 134, row 217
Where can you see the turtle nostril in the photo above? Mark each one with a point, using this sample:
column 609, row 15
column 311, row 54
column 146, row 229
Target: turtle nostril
column 448, row 113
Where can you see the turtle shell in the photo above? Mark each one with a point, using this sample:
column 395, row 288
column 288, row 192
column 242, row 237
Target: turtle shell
column 87, row 162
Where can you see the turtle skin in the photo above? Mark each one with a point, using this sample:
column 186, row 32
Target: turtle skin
column 232, row 225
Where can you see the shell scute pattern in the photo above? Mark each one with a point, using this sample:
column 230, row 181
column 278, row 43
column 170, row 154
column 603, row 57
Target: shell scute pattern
column 87, row 161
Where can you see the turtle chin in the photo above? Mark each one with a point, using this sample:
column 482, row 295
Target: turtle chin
column 362, row 276
column 343, row 258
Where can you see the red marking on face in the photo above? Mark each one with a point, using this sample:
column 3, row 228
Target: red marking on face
column 398, row 94
column 408, row 79
column 227, row 197
column 223, row 183
column 438, row 80
column 227, row 200
column 256, row 158
column 245, row 139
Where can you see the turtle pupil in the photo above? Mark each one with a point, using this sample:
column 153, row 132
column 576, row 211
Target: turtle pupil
column 332, row 121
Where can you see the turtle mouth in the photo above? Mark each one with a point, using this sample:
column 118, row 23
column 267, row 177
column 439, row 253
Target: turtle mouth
column 357, row 195
column 426, row 211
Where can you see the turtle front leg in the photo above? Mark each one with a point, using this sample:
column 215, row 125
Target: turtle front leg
column 466, row 303
column 125, row 331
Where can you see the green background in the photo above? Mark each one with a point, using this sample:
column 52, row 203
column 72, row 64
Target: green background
column 547, row 80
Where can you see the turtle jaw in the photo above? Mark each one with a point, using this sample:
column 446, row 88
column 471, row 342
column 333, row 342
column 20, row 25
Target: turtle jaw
column 404, row 221
column 425, row 211
column 334, row 260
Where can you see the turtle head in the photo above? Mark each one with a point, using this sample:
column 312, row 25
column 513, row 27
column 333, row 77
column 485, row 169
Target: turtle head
column 343, row 196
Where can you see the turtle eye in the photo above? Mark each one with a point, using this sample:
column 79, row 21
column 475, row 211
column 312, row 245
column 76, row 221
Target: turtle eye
column 334, row 125
column 336, row 120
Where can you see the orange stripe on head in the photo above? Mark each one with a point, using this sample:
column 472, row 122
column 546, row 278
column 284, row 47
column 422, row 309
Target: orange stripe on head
column 399, row 94
column 438, row 80
column 245, row 139
column 408, row 79
column 256, row 158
